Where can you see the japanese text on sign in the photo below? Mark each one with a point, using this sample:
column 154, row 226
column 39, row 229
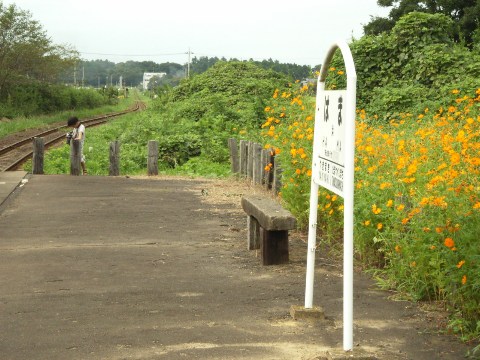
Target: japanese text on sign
column 330, row 136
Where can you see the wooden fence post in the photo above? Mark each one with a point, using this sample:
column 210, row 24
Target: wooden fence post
column 267, row 175
column 243, row 157
column 152, row 162
column 250, row 160
column 277, row 177
column 232, row 144
column 38, row 153
column 75, row 158
column 270, row 174
column 257, row 164
column 114, row 158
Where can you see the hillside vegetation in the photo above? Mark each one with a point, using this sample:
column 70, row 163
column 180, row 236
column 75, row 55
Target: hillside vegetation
column 192, row 123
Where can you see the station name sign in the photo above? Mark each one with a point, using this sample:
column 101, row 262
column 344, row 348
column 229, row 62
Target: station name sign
column 333, row 168
column 329, row 159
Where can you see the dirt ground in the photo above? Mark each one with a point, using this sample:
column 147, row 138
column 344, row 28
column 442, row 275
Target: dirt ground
column 415, row 330
column 158, row 268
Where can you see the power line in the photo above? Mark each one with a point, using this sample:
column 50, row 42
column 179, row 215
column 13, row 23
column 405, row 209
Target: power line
column 107, row 54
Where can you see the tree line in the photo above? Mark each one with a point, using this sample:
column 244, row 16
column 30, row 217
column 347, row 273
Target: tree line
column 464, row 13
column 100, row 73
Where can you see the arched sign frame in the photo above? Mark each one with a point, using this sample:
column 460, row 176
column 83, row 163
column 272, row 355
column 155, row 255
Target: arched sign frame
column 333, row 168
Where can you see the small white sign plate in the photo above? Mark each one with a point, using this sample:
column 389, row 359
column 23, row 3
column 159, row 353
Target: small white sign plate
column 329, row 159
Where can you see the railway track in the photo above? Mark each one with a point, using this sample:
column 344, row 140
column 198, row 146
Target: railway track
column 20, row 148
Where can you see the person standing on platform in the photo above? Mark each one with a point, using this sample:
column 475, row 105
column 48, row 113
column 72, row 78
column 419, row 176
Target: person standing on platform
column 78, row 133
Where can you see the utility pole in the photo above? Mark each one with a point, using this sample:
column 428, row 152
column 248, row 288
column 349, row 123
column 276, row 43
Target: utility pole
column 188, row 64
column 75, row 75
column 83, row 76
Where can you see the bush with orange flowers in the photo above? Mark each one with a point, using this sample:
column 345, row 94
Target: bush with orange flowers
column 417, row 195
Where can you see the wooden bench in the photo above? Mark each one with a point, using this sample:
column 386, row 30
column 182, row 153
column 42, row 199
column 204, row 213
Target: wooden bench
column 268, row 224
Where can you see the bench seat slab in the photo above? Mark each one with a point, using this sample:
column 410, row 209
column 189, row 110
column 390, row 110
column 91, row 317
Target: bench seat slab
column 269, row 214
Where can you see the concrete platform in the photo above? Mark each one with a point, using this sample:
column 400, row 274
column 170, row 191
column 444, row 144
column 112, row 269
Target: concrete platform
column 9, row 181
column 138, row 268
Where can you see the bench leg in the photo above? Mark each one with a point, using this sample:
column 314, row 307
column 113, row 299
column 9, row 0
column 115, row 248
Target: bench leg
column 274, row 247
column 253, row 236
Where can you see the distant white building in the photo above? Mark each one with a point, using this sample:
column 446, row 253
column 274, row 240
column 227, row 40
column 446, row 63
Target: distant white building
column 148, row 76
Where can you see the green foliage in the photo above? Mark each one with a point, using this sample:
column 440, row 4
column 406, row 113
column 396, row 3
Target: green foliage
column 27, row 54
column 21, row 123
column 175, row 150
column 201, row 166
column 417, row 28
column 100, row 73
column 232, row 79
column 418, row 55
column 417, row 198
column 192, row 124
column 293, row 71
column 42, row 98
column 464, row 13
column 393, row 98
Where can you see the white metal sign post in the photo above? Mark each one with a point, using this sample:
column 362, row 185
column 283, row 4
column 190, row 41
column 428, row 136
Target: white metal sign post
column 333, row 168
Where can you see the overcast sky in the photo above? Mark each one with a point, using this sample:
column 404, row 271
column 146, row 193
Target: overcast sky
column 290, row 31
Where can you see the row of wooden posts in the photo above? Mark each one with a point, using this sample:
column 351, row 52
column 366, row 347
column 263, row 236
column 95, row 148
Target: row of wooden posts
column 252, row 161
column 248, row 159
column 75, row 157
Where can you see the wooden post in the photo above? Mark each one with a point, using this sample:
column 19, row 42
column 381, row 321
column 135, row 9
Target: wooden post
column 274, row 246
column 234, row 162
column 38, row 153
column 75, row 158
column 277, row 176
column 257, row 164
column 114, row 158
column 250, row 160
column 265, row 160
column 152, row 162
column 253, row 233
column 243, row 157
column 270, row 174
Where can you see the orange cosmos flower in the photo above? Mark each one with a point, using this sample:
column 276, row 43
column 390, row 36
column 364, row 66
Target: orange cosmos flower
column 449, row 242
